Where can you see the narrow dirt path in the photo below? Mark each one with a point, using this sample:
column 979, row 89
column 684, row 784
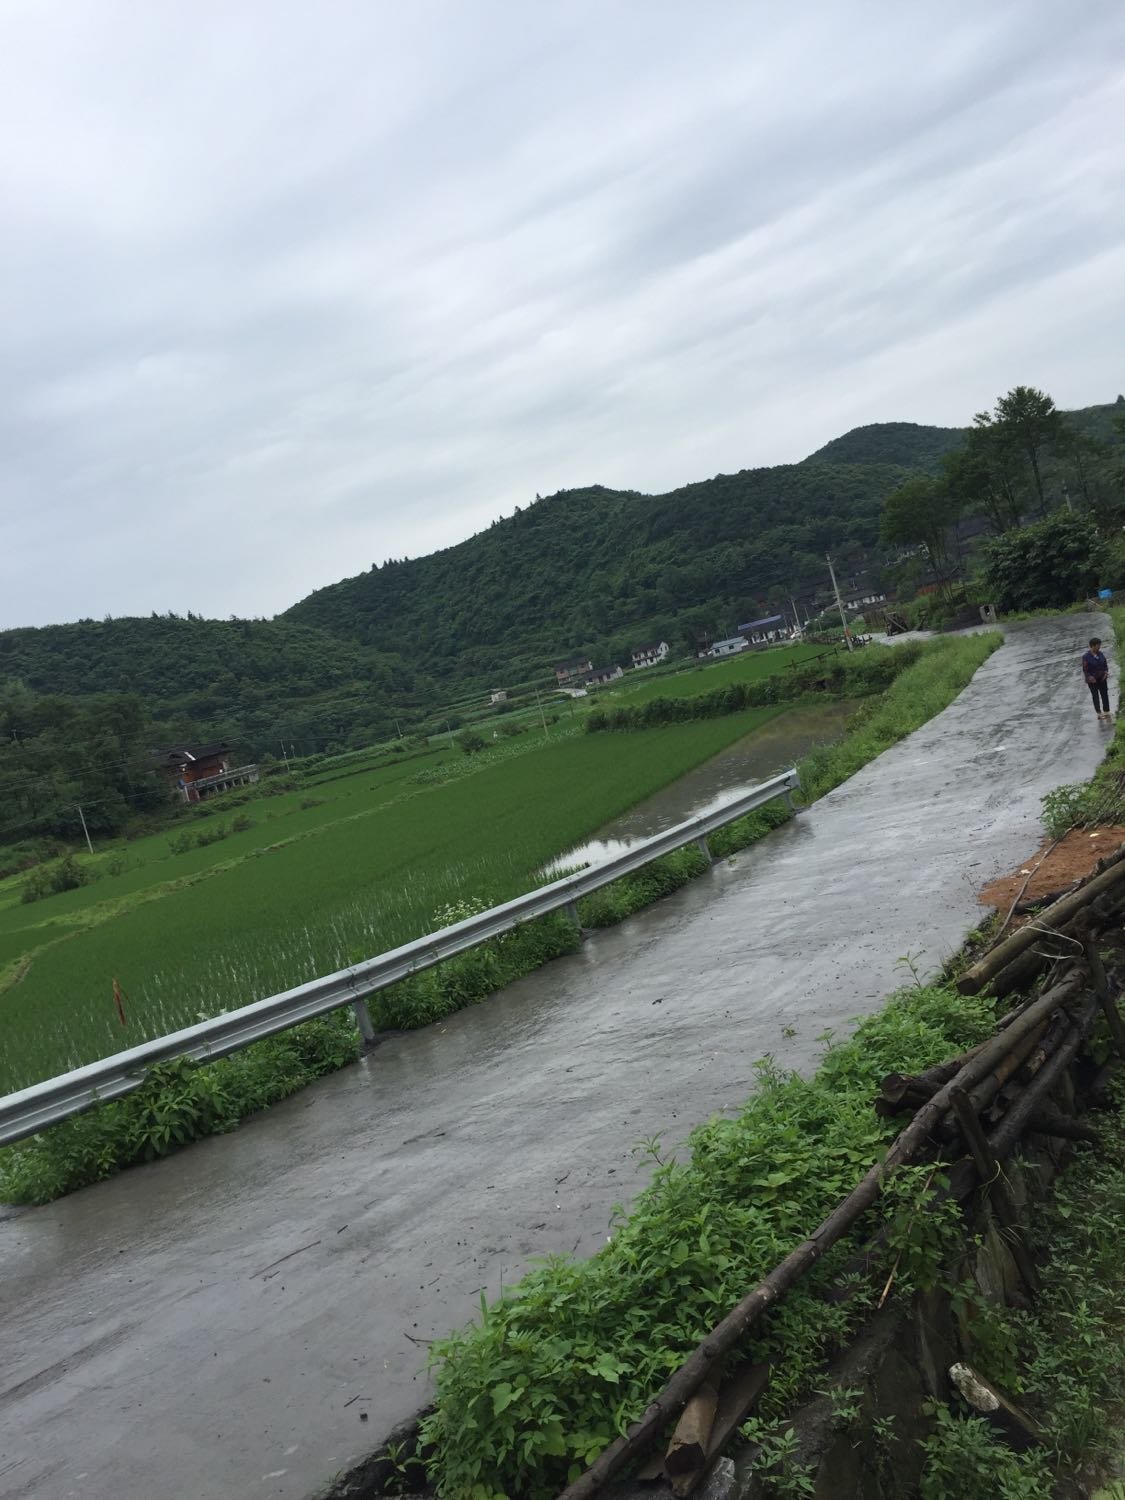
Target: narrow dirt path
column 220, row 1324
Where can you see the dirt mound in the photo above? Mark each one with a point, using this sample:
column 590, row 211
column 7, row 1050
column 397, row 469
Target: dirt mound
column 1053, row 870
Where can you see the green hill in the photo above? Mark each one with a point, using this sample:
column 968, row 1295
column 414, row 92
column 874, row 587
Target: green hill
column 252, row 682
column 603, row 569
column 903, row 443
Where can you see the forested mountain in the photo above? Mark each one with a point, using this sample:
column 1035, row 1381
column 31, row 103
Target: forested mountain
column 252, row 682
column 604, row 569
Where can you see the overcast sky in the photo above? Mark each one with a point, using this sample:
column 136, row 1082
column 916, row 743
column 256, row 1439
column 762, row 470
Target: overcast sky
column 288, row 289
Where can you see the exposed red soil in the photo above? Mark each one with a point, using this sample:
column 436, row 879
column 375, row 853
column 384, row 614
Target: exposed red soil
column 1074, row 857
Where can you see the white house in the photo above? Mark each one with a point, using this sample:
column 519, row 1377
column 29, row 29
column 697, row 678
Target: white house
column 648, row 656
column 727, row 648
column 498, row 695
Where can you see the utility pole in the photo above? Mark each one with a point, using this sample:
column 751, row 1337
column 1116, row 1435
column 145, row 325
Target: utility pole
column 796, row 617
column 398, row 726
column 839, row 604
column 542, row 715
column 284, row 757
column 85, row 830
column 1066, row 496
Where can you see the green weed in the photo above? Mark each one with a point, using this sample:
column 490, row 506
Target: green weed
column 577, row 1348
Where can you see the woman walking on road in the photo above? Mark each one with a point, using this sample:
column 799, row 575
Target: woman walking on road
column 1095, row 669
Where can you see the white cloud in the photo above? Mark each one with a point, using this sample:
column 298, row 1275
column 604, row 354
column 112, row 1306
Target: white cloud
column 286, row 292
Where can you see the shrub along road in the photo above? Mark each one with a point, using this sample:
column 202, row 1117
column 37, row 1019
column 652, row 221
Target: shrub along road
column 222, row 1323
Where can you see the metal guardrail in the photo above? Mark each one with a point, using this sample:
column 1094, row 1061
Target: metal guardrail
column 43, row 1104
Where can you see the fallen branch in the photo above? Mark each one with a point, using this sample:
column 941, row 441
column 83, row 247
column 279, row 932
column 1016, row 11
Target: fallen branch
column 1030, row 875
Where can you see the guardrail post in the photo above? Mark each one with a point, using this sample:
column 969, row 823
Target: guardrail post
column 363, row 1021
column 705, row 849
column 572, row 913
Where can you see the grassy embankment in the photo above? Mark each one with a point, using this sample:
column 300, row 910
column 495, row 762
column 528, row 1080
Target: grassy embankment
column 269, row 916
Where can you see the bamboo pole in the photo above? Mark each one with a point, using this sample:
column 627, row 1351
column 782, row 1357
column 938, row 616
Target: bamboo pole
column 988, row 1169
column 985, row 1091
column 974, row 979
column 726, row 1335
column 1105, row 999
column 1037, row 1093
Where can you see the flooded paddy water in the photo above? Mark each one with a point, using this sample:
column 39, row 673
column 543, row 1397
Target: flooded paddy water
column 749, row 761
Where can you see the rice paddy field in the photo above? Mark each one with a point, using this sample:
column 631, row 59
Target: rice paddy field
column 324, row 876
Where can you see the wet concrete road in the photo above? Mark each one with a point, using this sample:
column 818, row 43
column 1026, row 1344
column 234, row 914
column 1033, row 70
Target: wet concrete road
column 215, row 1326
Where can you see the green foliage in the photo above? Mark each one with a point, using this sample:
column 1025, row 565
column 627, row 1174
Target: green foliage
column 57, row 755
column 254, row 683
column 1068, row 807
column 67, row 874
column 178, row 1103
column 1047, row 565
column 963, row 1462
column 598, row 569
column 919, row 514
column 567, row 1358
column 469, row 741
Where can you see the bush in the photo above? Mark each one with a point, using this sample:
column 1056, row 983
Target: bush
column 50, row 880
column 1045, row 566
column 469, row 741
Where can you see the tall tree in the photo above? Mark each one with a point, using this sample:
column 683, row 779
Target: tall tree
column 1030, row 417
column 920, row 513
column 983, row 476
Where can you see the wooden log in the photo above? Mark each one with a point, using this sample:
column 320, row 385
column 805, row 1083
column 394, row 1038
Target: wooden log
column 992, row 1180
column 1009, row 1421
column 1021, row 974
column 983, row 1094
column 1105, row 999
column 1038, row 1091
column 687, row 1452
column 896, row 1085
column 740, row 1393
column 1063, row 1127
column 1051, row 919
column 725, row 1336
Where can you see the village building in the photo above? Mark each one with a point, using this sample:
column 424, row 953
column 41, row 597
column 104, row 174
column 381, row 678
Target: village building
column 195, row 772
column 766, row 631
column 728, row 647
column 575, row 670
column 648, row 656
column 599, row 675
column 498, row 695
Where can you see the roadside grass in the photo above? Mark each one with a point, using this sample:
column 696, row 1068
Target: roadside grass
column 567, row 1358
